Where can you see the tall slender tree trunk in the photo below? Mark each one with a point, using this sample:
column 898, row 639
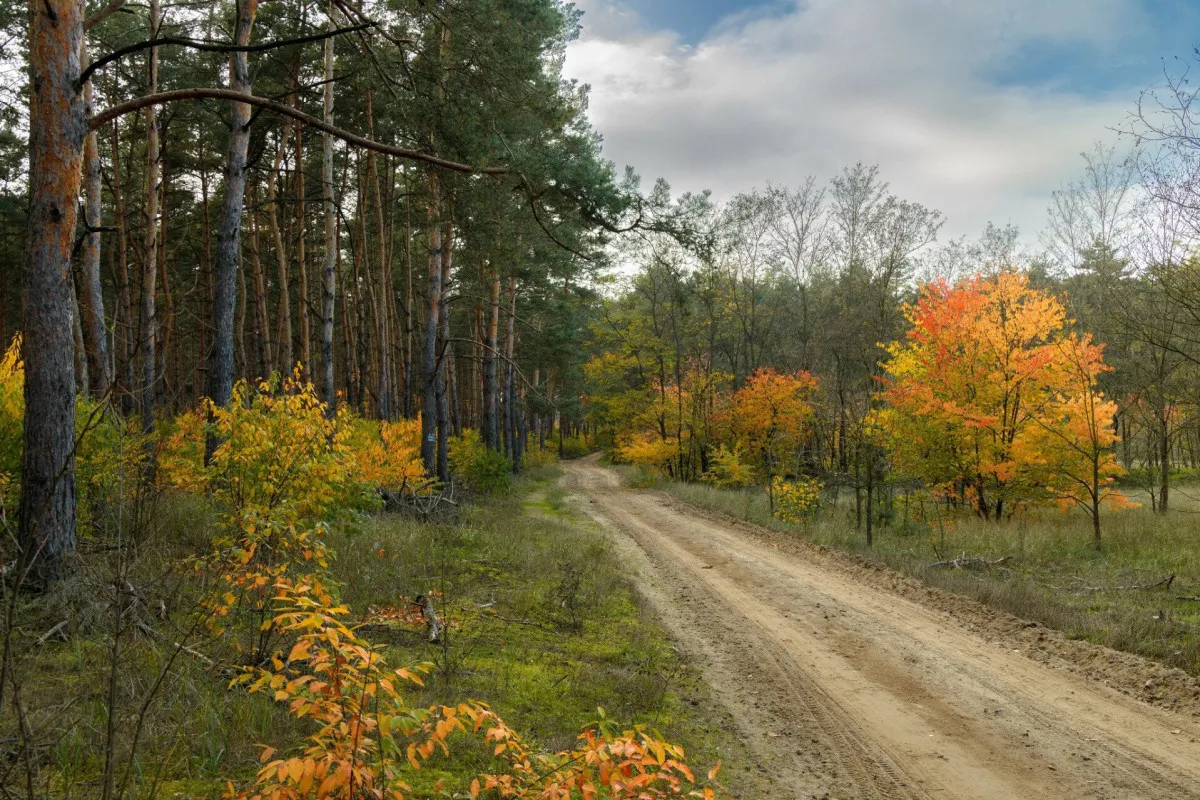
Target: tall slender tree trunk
column 383, row 293
column 128, row 326
column 57, row 128
column 91, row 296
column 408, row 302
column 509, row 373
column 283, row 314
column 491, row 406
column 166, row 310
column 429, row 359
column 329, row 266
column 149, row 332
column 204, row 326
column 262, row 350
column 229, row 225
column 445, row 372
column 304, row 310
column 1164, row 460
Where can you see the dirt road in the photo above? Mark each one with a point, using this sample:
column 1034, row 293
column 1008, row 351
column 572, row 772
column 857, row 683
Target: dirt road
column 848, row 690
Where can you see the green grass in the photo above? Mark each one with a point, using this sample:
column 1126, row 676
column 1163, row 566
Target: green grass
column 1056, row 576
column 544, row 626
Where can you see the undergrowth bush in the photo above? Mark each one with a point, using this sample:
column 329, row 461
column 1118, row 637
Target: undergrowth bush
column 483, row 470
column 575, row 446
column 108, row 461
column 797, row 500
column 728, row 470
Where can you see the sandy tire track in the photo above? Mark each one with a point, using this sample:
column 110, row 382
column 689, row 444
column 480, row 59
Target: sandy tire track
column 849, row 690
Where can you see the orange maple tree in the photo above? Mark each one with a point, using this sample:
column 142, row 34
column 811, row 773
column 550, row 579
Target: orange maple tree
column 992, row 394
column 772, row 414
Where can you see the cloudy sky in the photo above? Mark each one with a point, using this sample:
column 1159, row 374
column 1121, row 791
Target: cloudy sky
column 976, row 107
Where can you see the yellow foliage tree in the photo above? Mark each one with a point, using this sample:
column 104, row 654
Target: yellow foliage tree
column 991, row 392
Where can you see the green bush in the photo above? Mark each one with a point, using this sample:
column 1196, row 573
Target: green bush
column 482, row 469
column 575, row 446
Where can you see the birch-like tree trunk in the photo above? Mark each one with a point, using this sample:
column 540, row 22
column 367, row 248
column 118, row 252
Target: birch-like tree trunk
column 329, row 268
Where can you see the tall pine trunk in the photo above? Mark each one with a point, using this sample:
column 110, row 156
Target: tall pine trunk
column 57, row 128
column 149, row 333
column 225, row 273
column 283, row 314
column 91, row 296
column 491, row 405
column 429, row 356
column 128, row 326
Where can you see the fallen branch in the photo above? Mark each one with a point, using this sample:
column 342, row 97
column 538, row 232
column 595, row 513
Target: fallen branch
column 528, row 622
column 962, row 562
column 426, row 604
column 1165, row 583
column 45, row 637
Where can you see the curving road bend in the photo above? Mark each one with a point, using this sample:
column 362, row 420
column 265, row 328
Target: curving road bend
column 846, row 690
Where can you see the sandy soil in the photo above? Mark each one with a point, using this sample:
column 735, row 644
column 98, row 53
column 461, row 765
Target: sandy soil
column 852, row 682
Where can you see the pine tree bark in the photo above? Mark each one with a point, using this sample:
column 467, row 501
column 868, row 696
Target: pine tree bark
column 329, row 267
column 149, row 333
column 283, row 314
column 229, row 224
column 429, row 359
column 128, row 326
column 57, row 128
column 491, row 406
column 91, row 295
column 446, row 352
column 509, row 373
column 304, row 307
column 204, row 324
column 262, row 344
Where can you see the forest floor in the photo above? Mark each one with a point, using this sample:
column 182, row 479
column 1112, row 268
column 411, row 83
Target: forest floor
column 545, row 624
column 849, row 680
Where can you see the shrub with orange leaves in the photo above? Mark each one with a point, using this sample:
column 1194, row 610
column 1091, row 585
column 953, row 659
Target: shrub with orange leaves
column 388, row 454
column 772, row 414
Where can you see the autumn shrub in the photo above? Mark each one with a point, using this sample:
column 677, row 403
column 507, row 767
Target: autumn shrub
column 109, row 457
column 796, row 501
column 279, row 458
column 646, row 450
column 387, row 455
column 482, row 469
column 728, row 470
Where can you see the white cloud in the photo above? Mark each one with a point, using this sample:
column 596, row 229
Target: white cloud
column 822, row 84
